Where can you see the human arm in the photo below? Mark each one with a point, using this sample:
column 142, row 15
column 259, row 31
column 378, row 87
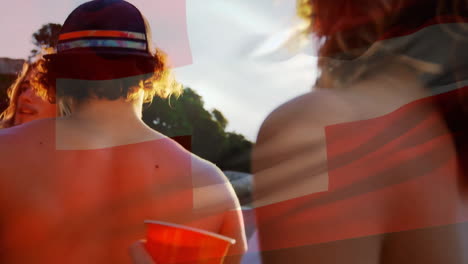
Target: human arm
column 215, row 208
column 216, row 201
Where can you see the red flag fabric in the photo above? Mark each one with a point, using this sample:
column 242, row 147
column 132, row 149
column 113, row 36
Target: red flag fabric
column 374, row 170
column 396, row 172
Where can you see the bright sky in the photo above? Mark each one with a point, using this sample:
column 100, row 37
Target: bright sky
column 239, row 64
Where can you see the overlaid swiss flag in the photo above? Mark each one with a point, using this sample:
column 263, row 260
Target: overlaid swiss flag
column 168, row 21
column 396, row 172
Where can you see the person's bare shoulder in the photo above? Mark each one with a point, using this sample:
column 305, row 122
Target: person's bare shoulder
column 7, row 136
column 21, row 148
column 25, row 138
column 297, row 123
column 211, row 187
column 317, row 108
column 214, row 195
column 289, row 157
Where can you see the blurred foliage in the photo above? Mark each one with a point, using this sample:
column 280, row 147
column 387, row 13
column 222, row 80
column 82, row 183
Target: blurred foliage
column 187, row 115
column 46, row 36
column 219, row 118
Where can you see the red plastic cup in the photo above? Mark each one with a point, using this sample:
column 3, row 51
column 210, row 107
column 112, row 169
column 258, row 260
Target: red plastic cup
column 169, row 243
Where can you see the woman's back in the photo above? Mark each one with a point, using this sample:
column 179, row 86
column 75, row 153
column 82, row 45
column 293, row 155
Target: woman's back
column 363, row 175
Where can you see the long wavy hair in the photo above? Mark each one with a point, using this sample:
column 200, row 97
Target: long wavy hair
column 7, row 117
column 37, row 83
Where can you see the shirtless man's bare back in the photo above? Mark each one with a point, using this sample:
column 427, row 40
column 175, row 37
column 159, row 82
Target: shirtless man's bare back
column 77, row 189
column 88, row 205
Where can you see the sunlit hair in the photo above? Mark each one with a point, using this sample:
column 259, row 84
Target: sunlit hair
column 162, row 82
column 159, row 82
column 7, row 117
column 347, row 29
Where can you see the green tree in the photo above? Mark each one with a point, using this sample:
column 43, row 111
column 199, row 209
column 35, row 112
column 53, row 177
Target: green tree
column 219, row 117
column 187, row 116
column 46, row 36
column 236, row 153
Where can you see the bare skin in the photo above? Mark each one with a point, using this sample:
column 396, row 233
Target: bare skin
column 91, row 180
column 290, row 162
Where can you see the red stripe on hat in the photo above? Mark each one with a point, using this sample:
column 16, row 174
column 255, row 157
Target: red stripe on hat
column 102, row 33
